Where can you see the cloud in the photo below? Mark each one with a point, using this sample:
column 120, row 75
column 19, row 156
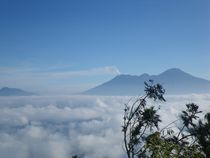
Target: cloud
column 55, row 79
column 61, row 126
column 59, row 72
column 110, row 70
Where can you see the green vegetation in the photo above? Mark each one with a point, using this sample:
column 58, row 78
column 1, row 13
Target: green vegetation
column 144, row 139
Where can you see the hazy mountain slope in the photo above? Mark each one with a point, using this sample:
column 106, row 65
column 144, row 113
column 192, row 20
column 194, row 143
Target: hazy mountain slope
column 14, row 92
column 175, row 81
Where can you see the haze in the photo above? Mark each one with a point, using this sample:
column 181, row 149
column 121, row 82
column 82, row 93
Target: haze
column 64, row 47
column 59, row 48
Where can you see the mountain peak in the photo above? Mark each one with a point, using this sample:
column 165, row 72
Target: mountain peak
column 4, row 88
column 144, row 75
column 7, row 88
column 6, row 91
column 173, row 70
column 174, row 80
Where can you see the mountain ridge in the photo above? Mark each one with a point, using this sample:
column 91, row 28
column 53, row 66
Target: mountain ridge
column 174, row 80
column 6, row 91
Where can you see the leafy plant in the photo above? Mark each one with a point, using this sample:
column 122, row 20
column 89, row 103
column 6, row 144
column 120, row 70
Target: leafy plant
column 143, row 138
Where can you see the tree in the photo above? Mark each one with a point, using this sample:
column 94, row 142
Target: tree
column 143, row 138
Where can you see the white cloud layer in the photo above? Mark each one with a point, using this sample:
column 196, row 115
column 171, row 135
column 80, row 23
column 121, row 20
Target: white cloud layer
column 59, row 127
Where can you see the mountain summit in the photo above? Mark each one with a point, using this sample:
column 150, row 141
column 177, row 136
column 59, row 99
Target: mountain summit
column 14, row 92
column 174, row 80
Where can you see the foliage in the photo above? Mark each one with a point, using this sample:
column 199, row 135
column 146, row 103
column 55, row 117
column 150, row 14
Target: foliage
column 143, row 138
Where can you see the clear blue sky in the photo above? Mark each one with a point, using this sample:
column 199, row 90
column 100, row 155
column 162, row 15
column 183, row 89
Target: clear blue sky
column 71, row 45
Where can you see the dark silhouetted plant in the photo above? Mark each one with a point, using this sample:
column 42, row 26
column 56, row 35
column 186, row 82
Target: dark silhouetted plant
column 143, row 138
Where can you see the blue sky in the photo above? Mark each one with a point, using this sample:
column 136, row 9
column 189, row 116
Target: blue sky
column 71, row 45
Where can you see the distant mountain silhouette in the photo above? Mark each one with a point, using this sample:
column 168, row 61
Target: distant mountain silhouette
column 175, row 81
column 14, row 92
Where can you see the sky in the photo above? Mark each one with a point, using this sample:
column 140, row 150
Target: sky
column 65, row 46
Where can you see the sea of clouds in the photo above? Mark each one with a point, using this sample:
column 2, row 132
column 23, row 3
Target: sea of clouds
column 61, row 126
